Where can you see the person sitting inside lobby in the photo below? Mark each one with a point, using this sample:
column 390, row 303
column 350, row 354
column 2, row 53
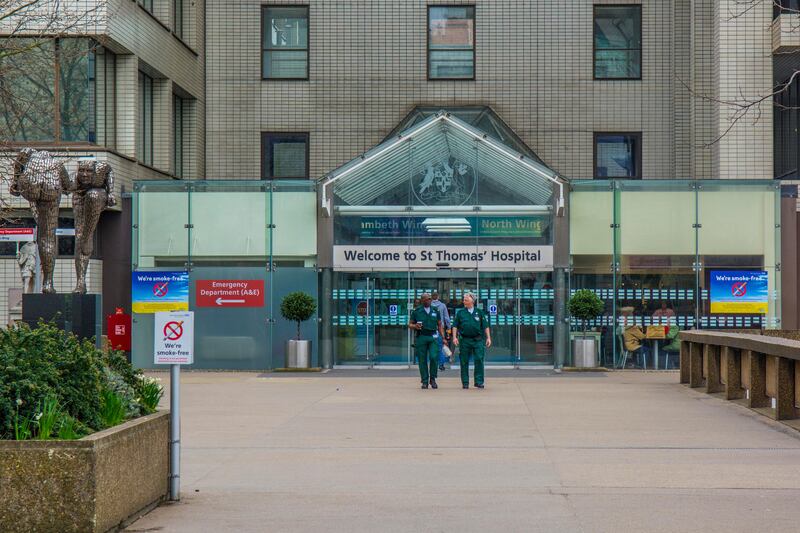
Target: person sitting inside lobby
column 663, row 314
column 633, row 336
column 672, row 345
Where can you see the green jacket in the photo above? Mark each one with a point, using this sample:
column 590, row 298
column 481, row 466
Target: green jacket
column 471, row 325
column 430, row 321
column 674, row 343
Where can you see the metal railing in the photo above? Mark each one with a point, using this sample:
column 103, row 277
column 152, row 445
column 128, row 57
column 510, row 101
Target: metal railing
column 759, row 371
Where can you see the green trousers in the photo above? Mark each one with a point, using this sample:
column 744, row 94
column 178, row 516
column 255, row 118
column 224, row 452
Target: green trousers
column 427, row 352
column 471, row 348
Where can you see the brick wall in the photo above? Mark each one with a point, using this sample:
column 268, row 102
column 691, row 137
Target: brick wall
column 533, row 66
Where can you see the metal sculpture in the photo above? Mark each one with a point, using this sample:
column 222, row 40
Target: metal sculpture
column 93, row 192
column 41, row 179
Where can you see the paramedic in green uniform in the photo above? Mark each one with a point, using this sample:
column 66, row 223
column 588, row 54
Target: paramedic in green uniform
column 427, row 322
column 472, row 326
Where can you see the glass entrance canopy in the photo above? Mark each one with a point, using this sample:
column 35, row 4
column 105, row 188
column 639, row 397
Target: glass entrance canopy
column 444, row 163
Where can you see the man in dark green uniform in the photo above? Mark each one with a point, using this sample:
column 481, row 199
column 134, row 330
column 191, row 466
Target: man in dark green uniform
column 472, row 326
column 427, row 322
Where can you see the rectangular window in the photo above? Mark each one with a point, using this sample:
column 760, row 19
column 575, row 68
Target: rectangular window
column 284, row 155
column 177, row 148
column 59, row 90
column 177, row 17
column 618, row 155
column 451, row 42
column 147, row 4
column 618, row 42
column 144, row 148
column 105, row 97
column 284, row 42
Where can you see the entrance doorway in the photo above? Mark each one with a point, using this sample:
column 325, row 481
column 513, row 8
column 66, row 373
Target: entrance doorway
column 371, row 314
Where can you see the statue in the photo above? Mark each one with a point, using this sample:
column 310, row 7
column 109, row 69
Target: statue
column 26, row 259
column 93, row 192
column 41, row 180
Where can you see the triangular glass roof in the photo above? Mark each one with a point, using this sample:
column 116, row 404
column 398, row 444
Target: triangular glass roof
column 442, row 160
column 482, row 117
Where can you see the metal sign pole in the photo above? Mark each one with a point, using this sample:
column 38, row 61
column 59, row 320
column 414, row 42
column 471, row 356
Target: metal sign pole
column 175, row 432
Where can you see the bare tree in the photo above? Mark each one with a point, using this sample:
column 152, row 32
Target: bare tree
column 45, row 92
column 750, row 106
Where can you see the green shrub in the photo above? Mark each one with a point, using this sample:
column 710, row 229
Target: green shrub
column 22, row 425
column 68, row 428
column 585, row 305
column 113, row 411
column 115, row 383
column 150, row 393
column 48, row 417
column 44, row 364
column 298, row 307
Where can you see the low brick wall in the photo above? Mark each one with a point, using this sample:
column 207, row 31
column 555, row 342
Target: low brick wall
column 87, row 485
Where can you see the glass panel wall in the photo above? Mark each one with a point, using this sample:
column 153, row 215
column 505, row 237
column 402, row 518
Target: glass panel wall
column 234, row 232
column 648, row 249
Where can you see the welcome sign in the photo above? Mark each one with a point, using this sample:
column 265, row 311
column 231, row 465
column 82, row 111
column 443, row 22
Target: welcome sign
column 528, row 258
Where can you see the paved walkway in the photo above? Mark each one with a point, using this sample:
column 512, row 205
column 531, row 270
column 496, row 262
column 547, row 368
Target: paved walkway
column 352, row 452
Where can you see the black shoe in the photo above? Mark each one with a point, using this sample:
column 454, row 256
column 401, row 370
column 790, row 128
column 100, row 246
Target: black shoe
column 424, row 385
column 441, row 367
column 433, row 384
column 480, row 386
column 464, row 386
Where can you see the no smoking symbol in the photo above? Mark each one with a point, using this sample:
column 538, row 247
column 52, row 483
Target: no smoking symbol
column 739, row 289
column 173, row 331
column 160, row 289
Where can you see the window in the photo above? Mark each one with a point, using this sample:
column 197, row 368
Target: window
column 147, row 5
column 178, row 109
column 284, row 42
column 65, row 237
column 59, row 90
column 144, row 146
column 284, row 155
column 618, row 155
column 618, row 42
column 451, row 42
column 177, row 17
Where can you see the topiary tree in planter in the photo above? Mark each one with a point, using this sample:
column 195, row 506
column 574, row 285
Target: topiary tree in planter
column 298, row 307
column 585, row 305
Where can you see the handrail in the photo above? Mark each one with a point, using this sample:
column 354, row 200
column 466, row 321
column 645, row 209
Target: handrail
column 760, row 371
column 764, row 344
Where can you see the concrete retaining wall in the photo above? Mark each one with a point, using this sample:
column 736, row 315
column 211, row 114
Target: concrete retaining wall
column 87, row 485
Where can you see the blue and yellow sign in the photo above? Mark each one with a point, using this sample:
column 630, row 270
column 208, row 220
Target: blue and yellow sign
column 744, row 292
column 157, row 290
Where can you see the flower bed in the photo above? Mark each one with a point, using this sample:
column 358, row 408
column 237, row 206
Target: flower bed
column 81, row 447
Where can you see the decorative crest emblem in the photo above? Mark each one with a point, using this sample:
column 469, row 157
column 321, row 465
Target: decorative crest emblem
column 448, row 182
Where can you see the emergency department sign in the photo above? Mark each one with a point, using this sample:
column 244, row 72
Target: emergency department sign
column 743, row 292
column 155, row 291
column 173, row 338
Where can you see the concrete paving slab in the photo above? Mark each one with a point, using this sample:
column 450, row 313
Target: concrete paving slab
column 369, row 451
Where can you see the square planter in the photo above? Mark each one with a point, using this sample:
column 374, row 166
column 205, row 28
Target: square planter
column 89, row 485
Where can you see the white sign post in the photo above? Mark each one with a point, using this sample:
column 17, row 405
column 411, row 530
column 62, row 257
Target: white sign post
column 173, row 344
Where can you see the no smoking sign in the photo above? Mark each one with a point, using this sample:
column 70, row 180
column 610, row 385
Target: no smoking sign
column 174, row 338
